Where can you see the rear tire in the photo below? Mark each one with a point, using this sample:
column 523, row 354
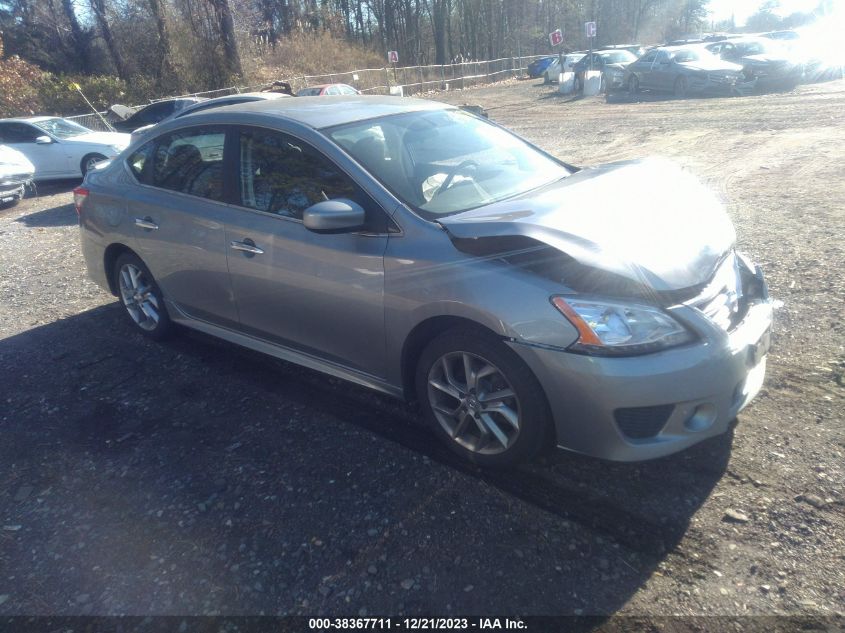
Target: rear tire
column 88, row 162
column 141, row 297
column 498, row 416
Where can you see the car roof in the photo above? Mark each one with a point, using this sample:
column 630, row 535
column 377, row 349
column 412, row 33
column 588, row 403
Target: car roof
column 322, row 112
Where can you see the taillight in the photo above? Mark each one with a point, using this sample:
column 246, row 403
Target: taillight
column 80, row 194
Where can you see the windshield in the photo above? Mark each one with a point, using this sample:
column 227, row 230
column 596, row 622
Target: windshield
column 618, row 57
column 446, row 161
column 61, row 128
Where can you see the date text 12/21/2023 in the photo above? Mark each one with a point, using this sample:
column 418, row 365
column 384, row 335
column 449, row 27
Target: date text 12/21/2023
column 415, row 624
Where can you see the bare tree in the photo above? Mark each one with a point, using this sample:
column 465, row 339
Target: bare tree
column 99, row 9
column 227, row 33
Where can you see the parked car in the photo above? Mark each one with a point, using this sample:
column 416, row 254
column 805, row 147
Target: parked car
column 16, row 174
column 217, row 102
column 154, row 113
column 767, row 62
column 538, row 67
column 683, row 71
column 552, row 73
column 59, row 148
column 611, row 64
column 430, row 254
column 324, row 90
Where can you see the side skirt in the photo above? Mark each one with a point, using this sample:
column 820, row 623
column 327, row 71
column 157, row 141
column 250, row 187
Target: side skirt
column 284, row 353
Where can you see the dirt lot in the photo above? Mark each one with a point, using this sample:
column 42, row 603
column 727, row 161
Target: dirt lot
column 194, row 477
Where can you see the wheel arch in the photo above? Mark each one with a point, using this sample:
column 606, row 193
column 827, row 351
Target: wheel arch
column 421, row 335
column 112, row 252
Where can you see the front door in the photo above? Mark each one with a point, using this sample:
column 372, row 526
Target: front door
column 49, row 159
column 318, row 293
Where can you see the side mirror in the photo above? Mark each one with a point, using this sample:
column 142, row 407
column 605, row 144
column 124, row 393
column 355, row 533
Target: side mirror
column 43, row 140
column 333, row 215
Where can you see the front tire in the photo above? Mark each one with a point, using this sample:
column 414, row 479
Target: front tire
column 141, row 297
column 481, row 399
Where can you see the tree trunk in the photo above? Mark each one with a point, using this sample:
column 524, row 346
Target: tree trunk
column 440, row 11
column 227, row 33
column 79, row 43
column 166, row 70
column 99, row 9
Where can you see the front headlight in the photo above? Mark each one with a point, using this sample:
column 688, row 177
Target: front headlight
column 611, row 328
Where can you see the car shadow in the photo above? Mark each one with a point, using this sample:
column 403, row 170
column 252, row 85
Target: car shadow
column 241, row 470
column 56, row 216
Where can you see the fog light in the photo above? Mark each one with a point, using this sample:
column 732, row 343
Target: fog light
column 701, row 419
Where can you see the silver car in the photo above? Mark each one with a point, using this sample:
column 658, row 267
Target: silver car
column 427, row 253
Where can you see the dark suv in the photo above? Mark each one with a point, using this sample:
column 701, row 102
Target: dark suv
column 154, row 113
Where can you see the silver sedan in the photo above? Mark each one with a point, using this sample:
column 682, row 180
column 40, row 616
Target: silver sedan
column 432, row 255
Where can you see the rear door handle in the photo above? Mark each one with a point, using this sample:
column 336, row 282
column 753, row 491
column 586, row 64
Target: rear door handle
column 146, row 223
column 247, row 246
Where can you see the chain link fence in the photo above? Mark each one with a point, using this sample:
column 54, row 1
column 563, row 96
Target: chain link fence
column 403, row 81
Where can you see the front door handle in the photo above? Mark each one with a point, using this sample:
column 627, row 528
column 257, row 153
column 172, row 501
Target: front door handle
column 146, row 223
column 248, row 247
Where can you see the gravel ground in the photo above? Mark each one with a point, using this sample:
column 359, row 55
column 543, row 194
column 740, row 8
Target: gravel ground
column 193, row 477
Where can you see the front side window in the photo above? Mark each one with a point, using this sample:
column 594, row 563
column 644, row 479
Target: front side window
column 188, row 161
column 18, row 133
column 649, row 57
column 441, row 162
column 282, row 175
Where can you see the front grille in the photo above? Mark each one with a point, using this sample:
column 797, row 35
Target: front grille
column 720, row 301
column 721, row 79
column 641, row 423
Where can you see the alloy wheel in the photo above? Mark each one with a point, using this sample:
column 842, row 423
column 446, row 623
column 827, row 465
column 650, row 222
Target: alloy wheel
column 474, row 403
column 138, row 297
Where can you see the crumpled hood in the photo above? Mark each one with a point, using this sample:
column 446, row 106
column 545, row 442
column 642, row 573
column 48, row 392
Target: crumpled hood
column 116, row 139
column 646, row 220
column 713, row 65
column 765, row 58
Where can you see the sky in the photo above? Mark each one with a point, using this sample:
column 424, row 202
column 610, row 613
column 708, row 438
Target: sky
column 723, row 9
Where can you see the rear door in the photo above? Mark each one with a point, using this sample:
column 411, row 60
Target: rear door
column 318, row 293
column 179, row 216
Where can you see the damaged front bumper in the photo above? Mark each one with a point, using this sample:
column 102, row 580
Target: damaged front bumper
column 13, row 189
column 643, row 407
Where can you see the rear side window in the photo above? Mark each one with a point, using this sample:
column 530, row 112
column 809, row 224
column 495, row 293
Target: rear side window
column 280, row 174
column 189, row 161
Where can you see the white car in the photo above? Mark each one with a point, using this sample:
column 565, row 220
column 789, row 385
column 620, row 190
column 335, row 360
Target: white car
column 16, row 174
column 217, row 102
column 59, row 148
column 553, row 71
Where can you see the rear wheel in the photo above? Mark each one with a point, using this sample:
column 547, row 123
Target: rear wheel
column 481, row 399
column 141, row 297
column 89, row 161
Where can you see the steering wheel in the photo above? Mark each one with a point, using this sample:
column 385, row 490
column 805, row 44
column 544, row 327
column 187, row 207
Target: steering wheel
column 451, row 175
